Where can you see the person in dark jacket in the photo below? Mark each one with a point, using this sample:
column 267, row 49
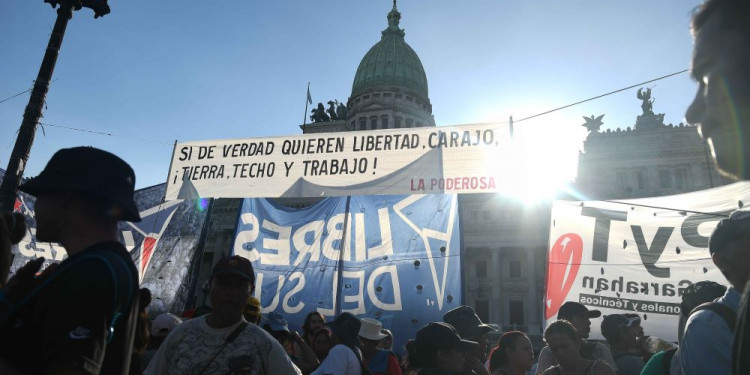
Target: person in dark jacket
column 80, row 316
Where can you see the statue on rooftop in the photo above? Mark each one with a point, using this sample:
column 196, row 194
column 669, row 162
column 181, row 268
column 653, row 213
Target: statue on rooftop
column 332, row 110
column 341, row 111
column 647, row 102
column 319, row 114
column 593, row 124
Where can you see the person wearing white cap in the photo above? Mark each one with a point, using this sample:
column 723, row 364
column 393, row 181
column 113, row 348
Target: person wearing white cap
column 378, row 361
column 160, row 328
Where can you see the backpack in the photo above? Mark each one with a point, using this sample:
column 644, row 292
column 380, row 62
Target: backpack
column 721, row 309
column 724, row 311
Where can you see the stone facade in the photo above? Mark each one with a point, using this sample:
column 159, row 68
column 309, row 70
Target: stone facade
column 389, row 108
column 645, row 162
column 504, row 255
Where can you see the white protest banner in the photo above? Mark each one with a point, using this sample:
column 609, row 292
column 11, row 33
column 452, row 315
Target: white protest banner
column 428, row 160
column 637, row 255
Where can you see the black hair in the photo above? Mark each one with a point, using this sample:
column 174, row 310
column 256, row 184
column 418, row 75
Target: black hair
column 306, row 325
column 423, row 357
column 423, row 354
column 699, row 293
column 499, row 355
column 562, row 327
column 734, row 15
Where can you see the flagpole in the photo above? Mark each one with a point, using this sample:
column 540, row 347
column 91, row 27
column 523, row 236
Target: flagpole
column 197, row 261
column 307, row 101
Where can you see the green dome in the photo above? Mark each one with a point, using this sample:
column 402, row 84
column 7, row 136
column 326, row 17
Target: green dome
column 391, row 62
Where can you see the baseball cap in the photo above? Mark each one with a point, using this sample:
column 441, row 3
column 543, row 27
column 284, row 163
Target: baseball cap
column 163, row 324
column 570, row 309
column 276, row 322
column 234, row 265
column 467, row 323
column 612, row 324
column 93, row 171
column 441, row 335
column 729, row 229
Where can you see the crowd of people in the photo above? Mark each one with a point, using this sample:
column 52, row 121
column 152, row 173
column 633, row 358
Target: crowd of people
column 87, row 315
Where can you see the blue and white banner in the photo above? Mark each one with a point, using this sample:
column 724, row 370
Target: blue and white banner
column 392, row 258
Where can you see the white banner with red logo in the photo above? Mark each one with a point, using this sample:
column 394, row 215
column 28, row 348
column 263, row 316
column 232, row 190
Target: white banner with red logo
column 637, row 255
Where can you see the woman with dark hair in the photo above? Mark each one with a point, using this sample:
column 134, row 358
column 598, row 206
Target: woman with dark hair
column 565, row 347
column 513, row 355
column 322, row 343
column 439, row 350
column 313, row 322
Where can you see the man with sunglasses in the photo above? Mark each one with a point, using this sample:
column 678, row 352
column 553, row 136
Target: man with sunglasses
column 624, row 334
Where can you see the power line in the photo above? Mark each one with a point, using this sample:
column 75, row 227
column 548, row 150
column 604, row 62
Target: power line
column 19, row 94
column 603, row 95
column 496, row 123
column 107, row 134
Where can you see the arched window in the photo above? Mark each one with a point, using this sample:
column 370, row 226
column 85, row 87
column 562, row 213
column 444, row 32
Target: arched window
column 384, row 122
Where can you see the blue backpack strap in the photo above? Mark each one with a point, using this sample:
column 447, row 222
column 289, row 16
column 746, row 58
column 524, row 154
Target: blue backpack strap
column 724, row 311
column 117, row 310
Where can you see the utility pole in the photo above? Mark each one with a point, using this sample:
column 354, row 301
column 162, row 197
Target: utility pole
column 25, row 139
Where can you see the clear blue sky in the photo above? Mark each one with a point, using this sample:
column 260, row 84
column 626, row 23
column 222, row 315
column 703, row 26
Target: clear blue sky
column 162, row 71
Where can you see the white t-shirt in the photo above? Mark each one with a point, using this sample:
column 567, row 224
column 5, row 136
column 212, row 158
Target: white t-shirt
column 191, row 346
column 340, row 361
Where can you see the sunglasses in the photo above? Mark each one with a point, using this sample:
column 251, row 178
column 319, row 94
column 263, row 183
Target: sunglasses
column 634, row 321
